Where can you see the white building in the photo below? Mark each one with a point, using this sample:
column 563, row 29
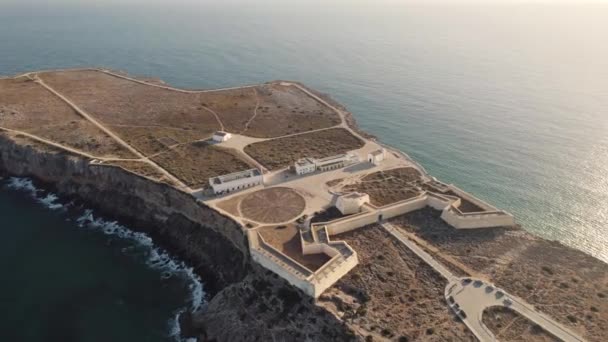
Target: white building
column 236, row 181
column 351, row 203
column 309, row 165
column 305, row 165
column 377, row 156
column 221, row 136
column 332, row 163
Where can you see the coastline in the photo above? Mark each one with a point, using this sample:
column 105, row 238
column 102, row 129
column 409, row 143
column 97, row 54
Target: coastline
column 110, row 190
column 141, row 246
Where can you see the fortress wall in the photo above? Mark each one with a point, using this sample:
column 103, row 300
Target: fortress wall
column 404, row 207
column 364, row 219
column 330, row 251
column 352, row 223
column 268, row 263
column 478, row 220
column 471, row 198
column 440, row 203
column 322, row 284
column 312, row 248
column 319, row 248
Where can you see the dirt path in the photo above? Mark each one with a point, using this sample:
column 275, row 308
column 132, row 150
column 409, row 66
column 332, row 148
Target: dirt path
column 63, row 147
column 448, row 258
column 217, row 117
column 110, row 133
column 255, row 111
column 108, row 72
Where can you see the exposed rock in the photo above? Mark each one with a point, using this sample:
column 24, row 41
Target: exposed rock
column 245, row 302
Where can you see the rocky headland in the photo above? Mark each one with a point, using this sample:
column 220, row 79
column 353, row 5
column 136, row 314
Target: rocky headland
column 120, row 169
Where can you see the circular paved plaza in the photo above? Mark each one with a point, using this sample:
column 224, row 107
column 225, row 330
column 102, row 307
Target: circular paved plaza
column 272, row 205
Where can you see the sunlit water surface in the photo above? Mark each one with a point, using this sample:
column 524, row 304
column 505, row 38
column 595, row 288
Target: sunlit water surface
column 508, row 102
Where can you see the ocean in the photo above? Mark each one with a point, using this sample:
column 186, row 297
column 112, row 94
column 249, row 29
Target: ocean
column 508, row 102
column 71, row 276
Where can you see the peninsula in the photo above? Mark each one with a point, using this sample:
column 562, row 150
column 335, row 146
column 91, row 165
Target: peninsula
column 303, row 226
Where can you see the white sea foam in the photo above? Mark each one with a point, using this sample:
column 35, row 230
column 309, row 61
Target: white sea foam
column 157, row 258
column 48, row 199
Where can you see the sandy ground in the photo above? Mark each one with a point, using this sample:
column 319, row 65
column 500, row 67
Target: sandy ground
column 509, row 326
column 392, row 294
column 564, row 283
column 28, row 107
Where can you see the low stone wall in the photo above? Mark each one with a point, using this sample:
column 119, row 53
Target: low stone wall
column 477, row 220
column 485, row 206
column 447, row 204
column 258, row 254
column 339, row 268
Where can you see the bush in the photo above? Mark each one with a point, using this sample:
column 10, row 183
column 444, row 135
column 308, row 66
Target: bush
column 386, row 332
column 547, row 270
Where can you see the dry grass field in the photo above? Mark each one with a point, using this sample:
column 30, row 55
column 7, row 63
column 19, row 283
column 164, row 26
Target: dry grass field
column 286, row 239
column 509, row 326
column 28, row 142
column 152, row 139
column 393, row 294
column 139, row 168
column 287, row 110
column 387, row 187
column 282, row 152
column 195, row 163
column 28, row 107
column 567, row 284
column 145, row 114
column 235, row 107
column 116, row 101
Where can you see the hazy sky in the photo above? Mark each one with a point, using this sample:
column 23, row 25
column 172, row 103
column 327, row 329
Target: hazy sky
column 294, row 2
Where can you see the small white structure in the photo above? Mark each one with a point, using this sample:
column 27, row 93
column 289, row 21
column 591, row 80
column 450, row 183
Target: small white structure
column 351, row 203
column 309, row 165
column 377, row 156
column 305, row 165
column 332, row 163
column 236, row 181
column 221, row 136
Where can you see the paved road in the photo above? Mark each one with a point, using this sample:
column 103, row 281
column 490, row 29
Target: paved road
column 419, row 252
column 474, row 297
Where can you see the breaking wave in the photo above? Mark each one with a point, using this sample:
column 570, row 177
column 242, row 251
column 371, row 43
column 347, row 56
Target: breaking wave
column 156, row 258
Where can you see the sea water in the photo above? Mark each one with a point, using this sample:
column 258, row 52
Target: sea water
column 509, row 102
column 69, row 275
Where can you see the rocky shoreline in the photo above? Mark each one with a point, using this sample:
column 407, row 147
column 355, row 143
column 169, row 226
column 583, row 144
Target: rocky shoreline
column 208, row 241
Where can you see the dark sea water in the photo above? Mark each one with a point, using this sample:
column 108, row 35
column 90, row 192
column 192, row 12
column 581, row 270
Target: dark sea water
column 508, row 102
column 69, row 276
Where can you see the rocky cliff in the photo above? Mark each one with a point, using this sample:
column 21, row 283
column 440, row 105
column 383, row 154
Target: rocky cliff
column 246, row 303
